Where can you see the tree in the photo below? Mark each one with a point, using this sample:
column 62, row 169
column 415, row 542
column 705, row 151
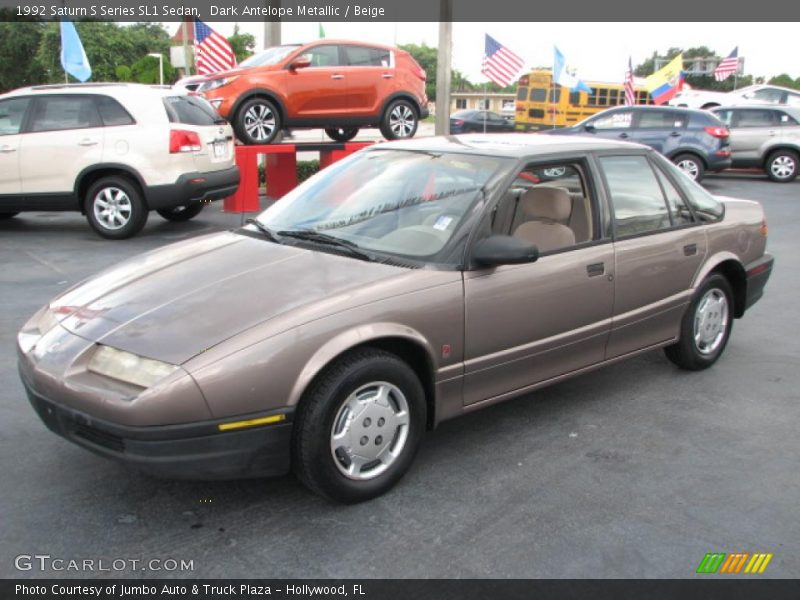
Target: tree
column 146, row 70
column 19, row 40
column 243, row 44
column 705, row 82
column 785, row 80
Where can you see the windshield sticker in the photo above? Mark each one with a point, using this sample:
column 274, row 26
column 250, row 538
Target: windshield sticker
column 442, row 223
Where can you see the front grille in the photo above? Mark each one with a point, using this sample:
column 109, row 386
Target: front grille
column 98, row 437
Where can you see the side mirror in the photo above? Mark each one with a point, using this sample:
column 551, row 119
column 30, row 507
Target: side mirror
column 589, row 127
column 499, row 250
column 300, row 62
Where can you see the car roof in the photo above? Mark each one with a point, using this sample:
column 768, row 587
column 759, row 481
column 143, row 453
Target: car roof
column 647, row 107
column 792, row 110
column 117, row 90
column 515, row 145
column 340, row 42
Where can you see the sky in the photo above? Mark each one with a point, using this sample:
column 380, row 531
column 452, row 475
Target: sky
column 599, row 51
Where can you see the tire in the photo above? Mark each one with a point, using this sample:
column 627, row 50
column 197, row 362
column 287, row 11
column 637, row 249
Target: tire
column 8, row 215
column 691, row 165
column 400, row 120
column 711, row 311
column 114, row 208
column 781, row 166
column 325, row 437
column 257, row 122
column 182, row 213
column 342, row 134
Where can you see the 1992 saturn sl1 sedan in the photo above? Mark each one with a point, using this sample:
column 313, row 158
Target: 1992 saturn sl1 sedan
column 407, row 284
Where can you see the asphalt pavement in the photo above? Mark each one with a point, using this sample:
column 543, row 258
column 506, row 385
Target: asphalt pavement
column 636, row 470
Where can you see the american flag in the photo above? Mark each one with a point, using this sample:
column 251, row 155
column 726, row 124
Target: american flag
column 728, row 66
column 630, row 91
column 500, row 64
column 214, row 53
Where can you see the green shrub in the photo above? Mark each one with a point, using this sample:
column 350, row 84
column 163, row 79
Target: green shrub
column 305, row 169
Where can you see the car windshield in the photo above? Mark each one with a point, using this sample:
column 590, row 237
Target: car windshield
column 270, row 56
column 393, row 202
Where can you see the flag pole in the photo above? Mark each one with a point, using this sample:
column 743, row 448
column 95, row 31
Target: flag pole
column 485, row 104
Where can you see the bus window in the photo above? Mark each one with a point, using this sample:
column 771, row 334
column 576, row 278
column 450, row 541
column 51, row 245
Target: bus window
column 555, row 95
column 522, row 93
column 575, row 98
column 602, row 97
column 613, row 97
column 538, row 95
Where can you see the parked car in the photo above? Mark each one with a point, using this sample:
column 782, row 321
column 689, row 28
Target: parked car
column 113, row 152
column 338, row 85
column 408, row 284
column 465, row 121
column 764, row 137
column 695, row 140
column 752, row 94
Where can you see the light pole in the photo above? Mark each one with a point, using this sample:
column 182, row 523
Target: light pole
column 160, row 58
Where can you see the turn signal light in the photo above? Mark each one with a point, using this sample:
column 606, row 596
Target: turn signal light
column 763, row 230
column 181, row 140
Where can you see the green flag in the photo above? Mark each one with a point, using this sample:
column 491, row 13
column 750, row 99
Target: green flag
column 321, row 31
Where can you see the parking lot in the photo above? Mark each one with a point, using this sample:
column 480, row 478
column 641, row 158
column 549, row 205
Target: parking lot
column 637, row 470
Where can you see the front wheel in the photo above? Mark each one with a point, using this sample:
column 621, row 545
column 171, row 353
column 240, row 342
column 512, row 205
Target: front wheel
column 399, row 121
column 257, row 122
column 359, row 426
column 114, row 208
column 705, row 327
column 692, row 166
column 342, row 134
column 782, row 166
column 182, row 213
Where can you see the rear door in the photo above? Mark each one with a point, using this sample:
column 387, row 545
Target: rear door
column 751, row 128
column 64, row 136
column 12, row 116
column 658, row 249
column 661, row 129
column 371, row 78
column 318, row 91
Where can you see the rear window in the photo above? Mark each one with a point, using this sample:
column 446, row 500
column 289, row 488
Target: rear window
column 522, row 93
column 361, row 56
column 112, row 112
column 538, row 95
column 190, row 110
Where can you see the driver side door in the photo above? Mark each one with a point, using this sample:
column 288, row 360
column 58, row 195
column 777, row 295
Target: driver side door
column 529, row 323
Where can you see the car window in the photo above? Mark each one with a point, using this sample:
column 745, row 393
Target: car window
column 548, row 205
column 678, row 210
column 620, row 119
column 270, row 56
column 787, row 119
column 792, row 99
column 190, row 110
column 57, row 113
column 756, row 118
column 324, row 56
column 767, row 95
column 661, row 119
column 637, row 200
column 361, row 56
column 726, row 116
column 112, row 112
column 12, row 112
column 706, row 207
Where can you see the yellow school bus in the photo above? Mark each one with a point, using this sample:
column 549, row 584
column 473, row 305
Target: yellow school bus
column 542, row 105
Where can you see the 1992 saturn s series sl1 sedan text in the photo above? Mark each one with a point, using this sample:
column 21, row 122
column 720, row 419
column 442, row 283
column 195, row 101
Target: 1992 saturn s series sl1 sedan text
column 402, row 286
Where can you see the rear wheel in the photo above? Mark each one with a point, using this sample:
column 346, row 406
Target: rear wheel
column 257, row 122
column 342, row 134
column 782, row 166
column 705, row 327
column 691, row 165
column 182, row 213
column 114, row 208
column 359, row 426
column 399, row 121
column 8, row 215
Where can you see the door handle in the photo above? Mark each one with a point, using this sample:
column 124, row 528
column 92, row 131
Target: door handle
column 595, row 269
column 690, row 249
column 337, row 76
column 88, row 142
column 674, row 134
column 6, row 149
column 387, row 75
column 623, row 135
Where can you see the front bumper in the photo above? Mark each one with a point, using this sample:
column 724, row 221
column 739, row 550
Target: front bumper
column 193, row 187
column 195, row 451
column 757, row 274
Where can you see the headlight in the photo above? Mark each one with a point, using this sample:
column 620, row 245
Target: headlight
column 34, row 329
column 128, row 367
column 216, row 83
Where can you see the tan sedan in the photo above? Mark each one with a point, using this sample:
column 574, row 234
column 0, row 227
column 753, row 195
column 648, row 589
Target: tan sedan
column 405, row 285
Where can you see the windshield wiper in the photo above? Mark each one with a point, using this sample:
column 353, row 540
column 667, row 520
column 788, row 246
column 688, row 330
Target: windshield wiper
column 268, row 233
column 310, row 235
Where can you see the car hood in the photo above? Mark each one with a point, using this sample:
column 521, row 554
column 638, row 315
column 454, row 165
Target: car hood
column 176, row 302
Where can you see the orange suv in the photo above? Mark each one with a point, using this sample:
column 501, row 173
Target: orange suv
column 335, row 84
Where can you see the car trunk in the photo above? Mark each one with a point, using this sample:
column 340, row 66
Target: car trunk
column 199, row 131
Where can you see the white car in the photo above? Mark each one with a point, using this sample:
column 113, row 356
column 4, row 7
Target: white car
column 113, row 152
column 753, row 94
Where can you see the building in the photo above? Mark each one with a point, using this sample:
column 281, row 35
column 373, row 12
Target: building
column 502, row 104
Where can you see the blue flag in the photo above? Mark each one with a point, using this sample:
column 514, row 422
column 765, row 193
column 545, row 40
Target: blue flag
column 73, row 58
column 566, row 76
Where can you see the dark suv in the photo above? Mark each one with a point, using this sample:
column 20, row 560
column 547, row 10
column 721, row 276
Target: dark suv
column 695, row 140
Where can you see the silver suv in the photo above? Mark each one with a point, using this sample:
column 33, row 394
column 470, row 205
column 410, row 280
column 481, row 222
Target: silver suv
column 113, row 152
column 764, row 137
